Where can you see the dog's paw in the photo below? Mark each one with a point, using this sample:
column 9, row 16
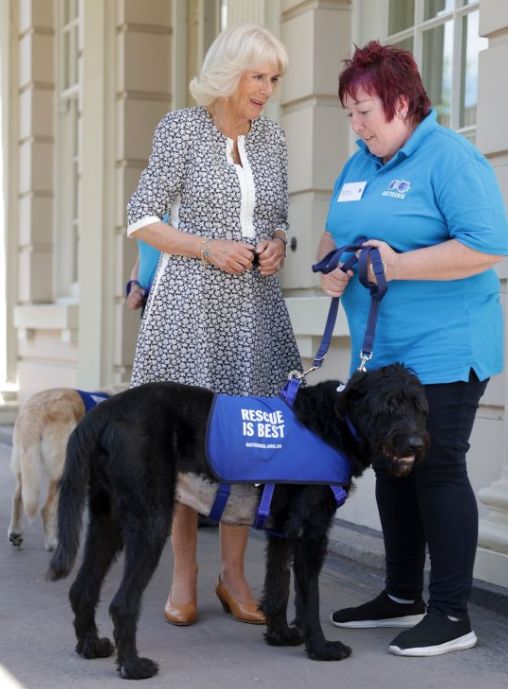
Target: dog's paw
column 328, row 650
column 140, row 668
column 51, row 544
column 16, row 539
column 95, row 648
column 284, row 637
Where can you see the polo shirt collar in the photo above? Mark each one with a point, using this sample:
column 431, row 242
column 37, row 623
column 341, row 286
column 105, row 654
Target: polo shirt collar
column 426, row 126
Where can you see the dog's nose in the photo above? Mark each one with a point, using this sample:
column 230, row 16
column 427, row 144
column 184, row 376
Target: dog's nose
column 416, row 442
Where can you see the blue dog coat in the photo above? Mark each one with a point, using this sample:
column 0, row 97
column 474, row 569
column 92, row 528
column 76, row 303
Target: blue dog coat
column 260, row 440
column 91, row 399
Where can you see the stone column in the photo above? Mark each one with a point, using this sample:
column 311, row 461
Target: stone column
column 492, row 140
column 35, row 151
column 95, row 297
column 317, row 36
column 9, row 118
column 256, row 11
column 45, row 331
column 144, row 39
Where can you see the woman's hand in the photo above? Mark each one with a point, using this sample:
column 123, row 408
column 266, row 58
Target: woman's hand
column 230, row 256
column 136, row 297
column 389, row 257
column 270, row 253
column 333, row 284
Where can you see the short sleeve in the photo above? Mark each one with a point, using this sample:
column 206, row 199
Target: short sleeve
column 161, row 180
column 473, row 207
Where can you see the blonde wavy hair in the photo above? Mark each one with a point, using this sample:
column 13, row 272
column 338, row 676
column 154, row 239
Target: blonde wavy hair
column 234, row 51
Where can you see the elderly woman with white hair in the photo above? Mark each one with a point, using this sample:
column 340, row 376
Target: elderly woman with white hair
column 216, row 316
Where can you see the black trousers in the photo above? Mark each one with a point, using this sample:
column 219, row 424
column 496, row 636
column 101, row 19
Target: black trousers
column 435, row 505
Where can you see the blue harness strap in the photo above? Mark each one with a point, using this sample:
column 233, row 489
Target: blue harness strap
column 290, row 390
column 264, row 506
column 340, row 494
column 219, row 504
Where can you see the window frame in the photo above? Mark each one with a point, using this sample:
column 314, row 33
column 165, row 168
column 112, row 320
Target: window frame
column 456, row 15
column 67, row 148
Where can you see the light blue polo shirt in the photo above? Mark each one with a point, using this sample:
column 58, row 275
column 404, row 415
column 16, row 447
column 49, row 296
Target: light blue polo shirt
column 148, row 261
column 437, row 187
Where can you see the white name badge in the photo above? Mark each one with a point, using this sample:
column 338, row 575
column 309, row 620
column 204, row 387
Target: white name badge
column 351, row 191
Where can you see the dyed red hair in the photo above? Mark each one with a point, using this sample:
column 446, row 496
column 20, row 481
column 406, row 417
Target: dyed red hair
column 386, row 72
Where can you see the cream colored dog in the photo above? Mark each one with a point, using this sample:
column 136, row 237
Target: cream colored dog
column 39, row 442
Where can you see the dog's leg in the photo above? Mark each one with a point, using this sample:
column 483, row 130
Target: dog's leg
column 102, row 544
column 48, row 514
column 276, row 594
column 310, row 551
column 143, row 546
column 15, row 530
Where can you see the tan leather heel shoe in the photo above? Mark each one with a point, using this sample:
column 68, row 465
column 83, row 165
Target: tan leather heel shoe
column 242, row 612
column 181, row 615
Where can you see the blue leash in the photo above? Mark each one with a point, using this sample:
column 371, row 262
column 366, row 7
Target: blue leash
column 377, row 291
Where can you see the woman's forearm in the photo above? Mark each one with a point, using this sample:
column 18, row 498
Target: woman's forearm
column 169, row 240
column 326, row 244
column 450, row 260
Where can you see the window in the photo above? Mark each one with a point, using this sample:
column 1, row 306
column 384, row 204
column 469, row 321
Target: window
column 68, row 149
column 223, row 14
column 443, row 37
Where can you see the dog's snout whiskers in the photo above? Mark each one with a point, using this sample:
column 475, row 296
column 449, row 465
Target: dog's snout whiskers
column 403, row 467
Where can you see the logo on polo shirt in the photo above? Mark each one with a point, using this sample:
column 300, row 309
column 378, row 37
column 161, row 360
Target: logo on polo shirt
column 397, row 188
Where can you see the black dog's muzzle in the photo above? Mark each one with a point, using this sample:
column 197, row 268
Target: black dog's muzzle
column 404, row 452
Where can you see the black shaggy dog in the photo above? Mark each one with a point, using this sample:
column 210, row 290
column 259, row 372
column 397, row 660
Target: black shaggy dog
column 126, row 454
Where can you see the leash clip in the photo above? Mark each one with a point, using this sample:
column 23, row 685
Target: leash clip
column 299, row 375
column 364, row 358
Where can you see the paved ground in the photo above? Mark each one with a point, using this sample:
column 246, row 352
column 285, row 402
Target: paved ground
column 37, row 638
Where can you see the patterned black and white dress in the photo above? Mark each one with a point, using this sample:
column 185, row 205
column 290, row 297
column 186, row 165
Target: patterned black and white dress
column 202, row 326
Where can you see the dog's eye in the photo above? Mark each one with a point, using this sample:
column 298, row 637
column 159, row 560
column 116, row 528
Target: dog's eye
column 393, row 404
column 421, row 405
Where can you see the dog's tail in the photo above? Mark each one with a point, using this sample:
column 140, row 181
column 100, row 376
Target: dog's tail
column 81, row 449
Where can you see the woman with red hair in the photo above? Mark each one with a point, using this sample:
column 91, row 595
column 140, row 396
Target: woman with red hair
column 430, row 202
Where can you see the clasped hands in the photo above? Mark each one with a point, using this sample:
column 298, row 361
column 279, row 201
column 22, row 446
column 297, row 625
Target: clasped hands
column 236, row 257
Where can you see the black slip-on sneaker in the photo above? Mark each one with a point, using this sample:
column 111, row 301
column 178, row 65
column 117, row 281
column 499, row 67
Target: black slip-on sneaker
column 380, row 612
column 435, row 635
